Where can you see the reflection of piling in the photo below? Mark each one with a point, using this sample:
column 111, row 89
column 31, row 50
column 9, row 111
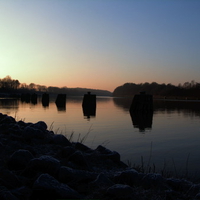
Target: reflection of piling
column 89, row 105
column 61, row 100
column 34, row 98
column 141, row 111
column 142, row 121
column 45, row 100
column 26, row 97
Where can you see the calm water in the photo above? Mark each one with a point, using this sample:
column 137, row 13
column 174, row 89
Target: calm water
column 171, row 137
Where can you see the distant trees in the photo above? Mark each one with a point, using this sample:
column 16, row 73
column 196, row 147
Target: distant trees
column 188, row 89
column 8, row 84
column 11, row 86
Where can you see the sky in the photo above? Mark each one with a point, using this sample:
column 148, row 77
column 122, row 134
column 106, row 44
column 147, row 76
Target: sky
column 100, row 44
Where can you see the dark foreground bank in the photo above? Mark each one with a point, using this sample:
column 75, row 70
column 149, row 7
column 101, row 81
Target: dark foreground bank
column 37, row 164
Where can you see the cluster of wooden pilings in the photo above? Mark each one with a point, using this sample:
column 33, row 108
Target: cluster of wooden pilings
column 29, row 98
column 32, row 98
column 88, row 104
column 141, row 109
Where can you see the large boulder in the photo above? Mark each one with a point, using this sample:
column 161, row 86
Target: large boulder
column 108, row 154
column 67, row 175
column 5, row 194
column 130, row 177
column 100, row 182
column 19, row 159
column 79, row 160
column 40, row 125
column 153, row 180
column 9, row 179
column 31, row 133
column 22, row 192
column 44, row 164
column 120, row 191
column 7, row 120
column 60, row 140
column 47, row 187
column 15, row 128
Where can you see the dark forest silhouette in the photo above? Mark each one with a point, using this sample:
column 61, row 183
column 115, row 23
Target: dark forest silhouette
column 188, row 90
column 14, row 87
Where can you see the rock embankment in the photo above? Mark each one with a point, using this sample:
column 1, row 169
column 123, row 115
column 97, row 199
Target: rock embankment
column 37, row 164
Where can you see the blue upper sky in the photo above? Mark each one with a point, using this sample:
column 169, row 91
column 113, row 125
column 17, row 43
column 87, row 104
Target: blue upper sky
column 100, row 43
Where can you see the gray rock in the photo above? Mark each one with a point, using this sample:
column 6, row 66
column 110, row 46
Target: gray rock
column 67, row 174
column 40, row 125
column 197, row 196
column 5, row 194
column 22, row 124
column 19, row 159
column 1, row 145
column 78, row 158
column 67, row 151
column 120, row 191
column 15, row 129
column 61, row 140
column 153, row 180
column 81, row 147
column 23, row 192
column 179, row 184
column 101, row 181
column 130, row 177
column 108, row 154
column 194, row 189
column 30, row 133
column 9, row 179
column 45, row 164
column 7, row 120
column 47, row 187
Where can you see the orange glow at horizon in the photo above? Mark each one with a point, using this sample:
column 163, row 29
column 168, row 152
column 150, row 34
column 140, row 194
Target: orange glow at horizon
column 70, row 44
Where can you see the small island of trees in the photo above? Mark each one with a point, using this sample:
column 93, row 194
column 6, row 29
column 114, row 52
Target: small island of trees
column 13, row 88
column 190, row 90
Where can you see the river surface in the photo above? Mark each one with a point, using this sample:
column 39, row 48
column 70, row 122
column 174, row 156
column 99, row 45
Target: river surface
column 168, row 140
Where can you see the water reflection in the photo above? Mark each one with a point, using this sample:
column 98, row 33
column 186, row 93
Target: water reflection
column 186, row 107
column 89, row 112
column 34, row 99
column 142, row 121
column 45, row 100
column 61, row 102
column 61, row 108
column 173, row 135
column 9, row 103
column 141, row 111
column 26, row 98
column 123, row 103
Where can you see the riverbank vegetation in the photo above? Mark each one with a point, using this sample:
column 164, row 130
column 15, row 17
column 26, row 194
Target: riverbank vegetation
column 189, row 90
column 14, row 87
column 38, row 164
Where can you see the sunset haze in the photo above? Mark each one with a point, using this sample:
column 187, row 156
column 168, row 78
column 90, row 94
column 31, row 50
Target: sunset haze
column 100, row 44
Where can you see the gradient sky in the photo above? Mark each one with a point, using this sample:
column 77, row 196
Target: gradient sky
column 100, row 44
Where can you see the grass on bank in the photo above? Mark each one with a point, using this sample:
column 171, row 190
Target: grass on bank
column 174, row 172
column 70, row 137
column 141, row 167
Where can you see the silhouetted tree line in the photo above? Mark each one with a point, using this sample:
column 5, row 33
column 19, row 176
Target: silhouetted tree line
column 14, row 87
column 188, row 89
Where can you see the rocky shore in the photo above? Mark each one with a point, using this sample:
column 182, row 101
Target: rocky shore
column 37, row 164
